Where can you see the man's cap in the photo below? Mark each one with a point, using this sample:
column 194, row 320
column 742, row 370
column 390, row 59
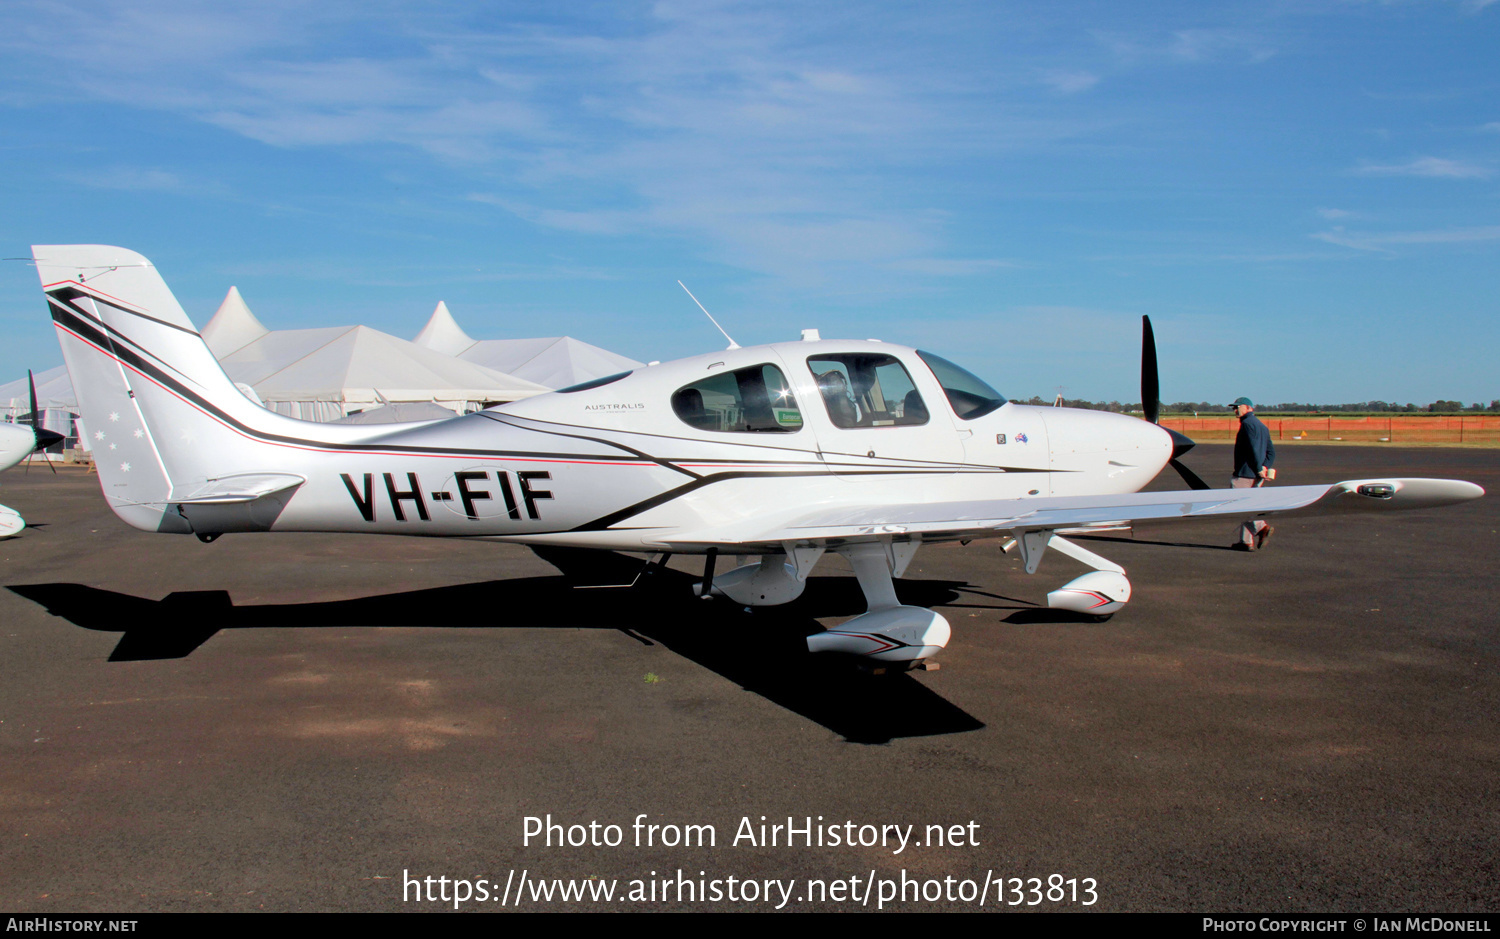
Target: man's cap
column 1243, row 400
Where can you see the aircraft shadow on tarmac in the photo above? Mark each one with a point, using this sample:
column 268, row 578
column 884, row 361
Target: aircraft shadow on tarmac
column 1162, row 544
column 763, row 651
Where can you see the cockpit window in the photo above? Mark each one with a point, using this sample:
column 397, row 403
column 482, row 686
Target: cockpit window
column 967, row 393
column 748, row 400
column 865, row 390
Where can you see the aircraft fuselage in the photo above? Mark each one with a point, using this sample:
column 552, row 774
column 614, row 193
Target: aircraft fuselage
column 618, row 465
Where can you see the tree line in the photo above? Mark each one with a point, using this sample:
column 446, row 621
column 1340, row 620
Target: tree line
column 1291, row 407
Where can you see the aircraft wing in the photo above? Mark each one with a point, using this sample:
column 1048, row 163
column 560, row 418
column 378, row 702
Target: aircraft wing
column 981, row 517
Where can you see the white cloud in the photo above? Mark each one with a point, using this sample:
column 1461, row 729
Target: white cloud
column 1432, row 167
column 1070, row 82
column 954, row 267
column 1189, row 45
column 724, row 125
column 137, row 179
column 1468, row 6
column 1382, row 241
column 592, row 223
column 1203, row 45
column 131, row 180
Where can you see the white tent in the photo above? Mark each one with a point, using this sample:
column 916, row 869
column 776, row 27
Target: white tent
column 233, row 326
column 54, row 391
column 401, row 412
column 325, row 373
column 555, row 362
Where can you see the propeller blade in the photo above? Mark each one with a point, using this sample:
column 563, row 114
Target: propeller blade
column 1151, row 402
column 35, row 417
column 44, row 437
column 1150, row 383
column 1193, row 480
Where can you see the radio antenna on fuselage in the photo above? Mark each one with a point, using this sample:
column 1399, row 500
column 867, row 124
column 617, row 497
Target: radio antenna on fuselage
column 732, row 343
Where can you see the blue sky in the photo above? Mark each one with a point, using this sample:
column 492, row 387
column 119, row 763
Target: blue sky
column 1303, row 196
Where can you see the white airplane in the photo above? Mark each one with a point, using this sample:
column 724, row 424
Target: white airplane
column 16, row 443
column 19, row 441
column 775, row 453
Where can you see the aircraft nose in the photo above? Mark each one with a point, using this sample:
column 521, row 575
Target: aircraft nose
column 1132, row 433
column 1100, row 449
column 16, row 442
column 1084, row 432
column 1168, row 442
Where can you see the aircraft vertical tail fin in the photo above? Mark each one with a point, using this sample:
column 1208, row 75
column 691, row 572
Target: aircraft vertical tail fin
column 160, row 415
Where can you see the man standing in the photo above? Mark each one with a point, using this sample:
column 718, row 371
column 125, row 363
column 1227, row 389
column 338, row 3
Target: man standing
column 1253, row 458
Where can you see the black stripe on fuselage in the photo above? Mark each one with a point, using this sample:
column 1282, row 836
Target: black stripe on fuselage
column 662, row 498
column 920, row 466
column 83, row 326
column 500, row 419
column 619, row 515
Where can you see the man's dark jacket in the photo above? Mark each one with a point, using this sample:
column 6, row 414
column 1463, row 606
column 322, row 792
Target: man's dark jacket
column 1252, row 447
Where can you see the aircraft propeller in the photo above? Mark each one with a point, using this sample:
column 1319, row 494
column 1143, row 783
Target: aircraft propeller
column 44, row 437
column 1151, row 402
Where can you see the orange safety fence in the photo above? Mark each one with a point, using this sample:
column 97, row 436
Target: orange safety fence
column 1400, row 428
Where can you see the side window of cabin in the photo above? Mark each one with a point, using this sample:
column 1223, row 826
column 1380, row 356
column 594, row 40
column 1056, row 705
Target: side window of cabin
column 867, row 390
column 747, row 400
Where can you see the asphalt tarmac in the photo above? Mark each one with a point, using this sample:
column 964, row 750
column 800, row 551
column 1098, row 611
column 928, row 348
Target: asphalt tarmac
column 303, row 722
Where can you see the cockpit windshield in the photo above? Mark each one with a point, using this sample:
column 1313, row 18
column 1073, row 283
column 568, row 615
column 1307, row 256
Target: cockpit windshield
column 969, row 395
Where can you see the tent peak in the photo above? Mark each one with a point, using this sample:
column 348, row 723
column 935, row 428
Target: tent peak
column 442, row 333
column 233, row 327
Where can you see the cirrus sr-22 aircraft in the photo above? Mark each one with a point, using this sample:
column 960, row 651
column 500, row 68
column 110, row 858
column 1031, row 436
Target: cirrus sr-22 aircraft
column 775, row 454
